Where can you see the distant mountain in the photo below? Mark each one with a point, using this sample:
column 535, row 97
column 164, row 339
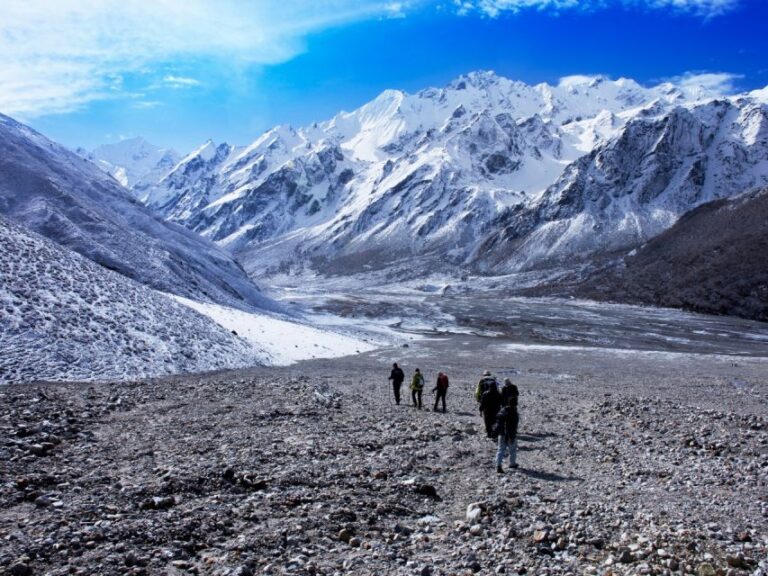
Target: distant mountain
column 133, row 162
column 65, row 317
column 448, row 174
column 660, row 165
column 714, row 260
column 55, row 192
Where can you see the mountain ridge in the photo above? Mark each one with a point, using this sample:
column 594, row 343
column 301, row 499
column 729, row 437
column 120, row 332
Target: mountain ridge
column 50, row 190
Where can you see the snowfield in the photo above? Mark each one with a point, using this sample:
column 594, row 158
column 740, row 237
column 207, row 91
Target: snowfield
column 281, row 342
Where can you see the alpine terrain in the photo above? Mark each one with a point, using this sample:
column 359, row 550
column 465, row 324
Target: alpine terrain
column 487, row 175
column 133, row 162
column 55, row 192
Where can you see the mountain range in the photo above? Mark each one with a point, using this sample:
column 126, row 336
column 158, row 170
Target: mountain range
column 487, row 175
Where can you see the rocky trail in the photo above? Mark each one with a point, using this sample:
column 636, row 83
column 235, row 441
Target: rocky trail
column 630, row 464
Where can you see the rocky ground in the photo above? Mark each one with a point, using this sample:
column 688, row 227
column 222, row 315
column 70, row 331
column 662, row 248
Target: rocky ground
column 631, row 463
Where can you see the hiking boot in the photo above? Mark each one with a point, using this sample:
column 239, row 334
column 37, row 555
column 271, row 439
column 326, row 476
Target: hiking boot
column 499, row 469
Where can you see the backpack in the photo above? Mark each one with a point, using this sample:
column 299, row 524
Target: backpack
column 484, row 385
column 509, row 391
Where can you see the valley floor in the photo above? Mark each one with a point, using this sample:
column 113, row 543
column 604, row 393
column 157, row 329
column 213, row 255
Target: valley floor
column 631, row 462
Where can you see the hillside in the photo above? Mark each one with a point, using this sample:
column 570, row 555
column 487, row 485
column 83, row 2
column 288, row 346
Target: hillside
column 48, row 189
column 712, row 260
column 65, row 317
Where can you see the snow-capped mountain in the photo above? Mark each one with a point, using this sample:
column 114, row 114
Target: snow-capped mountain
column 431, row 173
column 637, row 184
column 55, row 192
column 133, row 162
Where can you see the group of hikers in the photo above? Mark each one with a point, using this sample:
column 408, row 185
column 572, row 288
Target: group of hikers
column 417, row 386
column 498, row 406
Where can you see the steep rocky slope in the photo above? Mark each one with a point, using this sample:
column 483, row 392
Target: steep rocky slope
column 67, row 199
column 63, row 317
column 636, row 185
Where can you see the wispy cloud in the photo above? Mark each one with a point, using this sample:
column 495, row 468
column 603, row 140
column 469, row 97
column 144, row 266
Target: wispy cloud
column 180, row 81
column 714, row 82
column 494, row 8
column 57, row 55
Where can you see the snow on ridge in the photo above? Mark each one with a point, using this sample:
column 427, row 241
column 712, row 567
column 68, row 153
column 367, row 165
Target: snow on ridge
column 409, row 171
column 68, row 319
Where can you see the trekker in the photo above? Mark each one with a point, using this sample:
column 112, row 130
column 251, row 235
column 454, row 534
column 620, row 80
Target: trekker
column 397, row 376
column 441, row 389
column 490, row 404
column 508, row 391
column 484, row 384
column 417, row 388
column 505, row 429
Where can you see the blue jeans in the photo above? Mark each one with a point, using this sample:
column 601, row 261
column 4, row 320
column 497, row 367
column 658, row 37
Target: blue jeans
column 504, row 445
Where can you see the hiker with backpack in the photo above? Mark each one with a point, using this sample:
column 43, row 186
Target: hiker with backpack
column 441, row 389
column 483, row 385
column 397, row 376
column 508, row 391
column 417, row 388
column 505, row 431
column 490, row 404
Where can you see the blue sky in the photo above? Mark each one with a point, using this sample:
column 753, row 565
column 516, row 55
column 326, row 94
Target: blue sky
column 178, row 72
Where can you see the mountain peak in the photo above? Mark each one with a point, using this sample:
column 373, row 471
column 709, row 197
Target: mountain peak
column 477, row 79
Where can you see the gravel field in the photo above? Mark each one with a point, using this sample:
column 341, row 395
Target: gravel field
column 632, row 462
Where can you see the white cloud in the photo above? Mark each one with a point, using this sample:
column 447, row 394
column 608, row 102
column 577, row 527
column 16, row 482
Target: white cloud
column 57, row 55
column 493, row 8
column 180, row 81
column 719, row 83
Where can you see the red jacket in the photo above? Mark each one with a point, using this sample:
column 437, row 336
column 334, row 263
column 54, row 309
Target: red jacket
column 442, row 382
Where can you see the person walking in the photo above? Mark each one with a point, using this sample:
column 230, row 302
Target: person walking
column 441, row 389
column 417, row 388
column 483, row 385
column 509, row 390
column 490, row 404
column 505, row 429
column 397, row 376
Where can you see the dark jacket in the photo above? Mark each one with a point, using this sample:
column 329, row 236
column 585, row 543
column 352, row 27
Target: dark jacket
column 490, row 401
column 506, row 423
column 509, row 391
column 397, row 375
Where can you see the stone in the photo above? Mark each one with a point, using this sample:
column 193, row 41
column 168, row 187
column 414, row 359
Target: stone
column 625, row 556
column 427, row 490
column 344, row 535
column 474, row 511
column 20, row 569
column 706, row 569
column 540, row 536
column 737, row 561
